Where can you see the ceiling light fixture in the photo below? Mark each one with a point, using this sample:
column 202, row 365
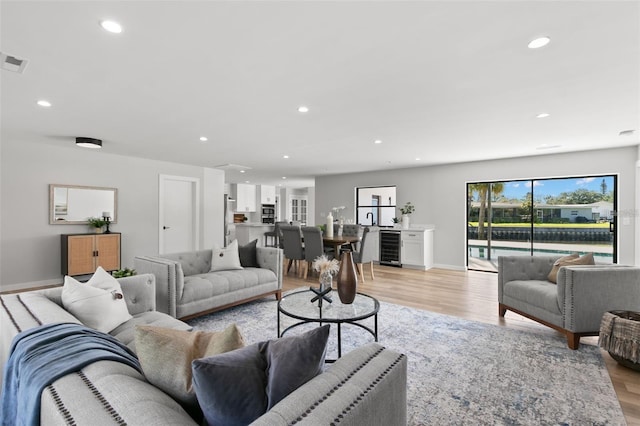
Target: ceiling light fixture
column 418, row 159
column 542, row 115
column 285, row 156
column 44, row 103
column 89, row 143
column 203, row 139
column 547, row 146
column 242, row 171
column 284, row 177
column 303, row 108
column 538, row 42
column 111, row 26
column 377, row 141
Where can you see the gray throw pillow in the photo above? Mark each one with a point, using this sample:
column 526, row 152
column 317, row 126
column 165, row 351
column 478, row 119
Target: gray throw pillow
column 249, row 254
column 237, row 387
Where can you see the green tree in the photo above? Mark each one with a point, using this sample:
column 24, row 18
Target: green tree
column 579, row 196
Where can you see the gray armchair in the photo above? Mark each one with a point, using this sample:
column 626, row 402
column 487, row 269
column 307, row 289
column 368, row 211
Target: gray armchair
column 576, row 304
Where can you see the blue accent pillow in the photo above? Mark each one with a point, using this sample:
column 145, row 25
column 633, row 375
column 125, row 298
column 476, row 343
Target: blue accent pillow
column 237, row 387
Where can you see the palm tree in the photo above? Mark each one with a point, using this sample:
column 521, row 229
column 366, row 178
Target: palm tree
column 483, row 191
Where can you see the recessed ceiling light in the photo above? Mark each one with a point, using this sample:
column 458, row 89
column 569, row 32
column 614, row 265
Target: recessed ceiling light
column 542, row 115
column 377, row 141
column 418, row 159
column 547, row 146
column 538, row 42
column 203, row 139
column 629, row 132
column 285, row 156
column 242, row 171
column 89, row 143
column 111, row 26
column 303, row 108
column 44, row 103
column 284, row 177
column 246, row 181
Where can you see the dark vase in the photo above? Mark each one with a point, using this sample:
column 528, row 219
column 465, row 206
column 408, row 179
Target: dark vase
column 347, row 279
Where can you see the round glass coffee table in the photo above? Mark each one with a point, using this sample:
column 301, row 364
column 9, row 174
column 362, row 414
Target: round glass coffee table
column 298, row 305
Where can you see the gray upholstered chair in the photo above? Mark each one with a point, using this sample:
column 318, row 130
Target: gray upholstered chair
column 292, row 245
column 365, row 254
column 313, row 246
column 575, row 305
column 274, row 236
column 350, row 230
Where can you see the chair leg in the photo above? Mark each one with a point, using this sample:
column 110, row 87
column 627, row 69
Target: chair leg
column 573, row 340
column 306, row 270
column 360, row 271
column 289, row 267
column 502, row 310
column 371, row 266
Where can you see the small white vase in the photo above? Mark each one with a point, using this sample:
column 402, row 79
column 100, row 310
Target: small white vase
column 405, row 221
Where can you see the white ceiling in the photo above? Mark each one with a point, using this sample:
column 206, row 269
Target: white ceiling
column 440, row 81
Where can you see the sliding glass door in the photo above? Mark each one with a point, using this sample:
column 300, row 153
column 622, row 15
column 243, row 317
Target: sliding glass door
column 553, row 216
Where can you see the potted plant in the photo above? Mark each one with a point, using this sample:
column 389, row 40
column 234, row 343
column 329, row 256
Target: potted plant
column 97, row 223
column 121, row 273
column 406, row 212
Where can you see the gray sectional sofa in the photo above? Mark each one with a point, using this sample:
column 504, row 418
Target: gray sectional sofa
column 366, row 386
column 186, row 287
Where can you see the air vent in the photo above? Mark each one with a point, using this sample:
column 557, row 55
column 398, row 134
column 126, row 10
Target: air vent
column 11, row 63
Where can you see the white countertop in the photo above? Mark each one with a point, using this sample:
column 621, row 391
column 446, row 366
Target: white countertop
column 255, row 224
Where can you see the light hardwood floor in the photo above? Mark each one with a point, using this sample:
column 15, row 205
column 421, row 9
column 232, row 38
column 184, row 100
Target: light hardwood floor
column 474, row 296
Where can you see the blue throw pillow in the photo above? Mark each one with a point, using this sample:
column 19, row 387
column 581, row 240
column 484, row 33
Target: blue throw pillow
column 237, row 387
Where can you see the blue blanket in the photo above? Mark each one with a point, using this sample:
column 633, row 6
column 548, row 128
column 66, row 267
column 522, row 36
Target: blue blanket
column 41, row 355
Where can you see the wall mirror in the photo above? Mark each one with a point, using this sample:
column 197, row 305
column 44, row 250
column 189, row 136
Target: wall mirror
column 73, row 204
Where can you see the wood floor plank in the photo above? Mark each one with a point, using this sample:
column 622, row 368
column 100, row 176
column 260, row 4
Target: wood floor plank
column 473, row 295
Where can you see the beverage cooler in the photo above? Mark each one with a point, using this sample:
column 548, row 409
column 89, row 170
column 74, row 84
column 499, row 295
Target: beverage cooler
column 390, row 247
column 268, row 213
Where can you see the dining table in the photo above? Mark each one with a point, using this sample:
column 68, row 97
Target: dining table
column 337, row 241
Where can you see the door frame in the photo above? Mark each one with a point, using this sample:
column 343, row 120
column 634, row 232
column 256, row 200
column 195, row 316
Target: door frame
column 195, row 187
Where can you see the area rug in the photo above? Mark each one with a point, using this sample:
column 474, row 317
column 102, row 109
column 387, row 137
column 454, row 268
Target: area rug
column 468, row 373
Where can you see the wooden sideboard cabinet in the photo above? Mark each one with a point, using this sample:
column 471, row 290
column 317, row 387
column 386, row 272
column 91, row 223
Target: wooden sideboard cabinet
column 83, row 253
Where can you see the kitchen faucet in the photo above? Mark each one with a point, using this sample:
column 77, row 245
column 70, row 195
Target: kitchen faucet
column 370, row 213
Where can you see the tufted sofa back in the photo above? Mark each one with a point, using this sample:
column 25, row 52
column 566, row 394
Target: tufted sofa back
column 192, row 262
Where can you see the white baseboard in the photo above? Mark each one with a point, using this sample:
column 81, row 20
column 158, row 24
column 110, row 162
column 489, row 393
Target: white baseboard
column 29, row 285
column 452, row 267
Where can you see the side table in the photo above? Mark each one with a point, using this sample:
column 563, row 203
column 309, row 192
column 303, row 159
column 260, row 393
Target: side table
column 620, row 336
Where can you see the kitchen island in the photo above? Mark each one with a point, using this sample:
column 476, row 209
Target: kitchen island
column 247, row 232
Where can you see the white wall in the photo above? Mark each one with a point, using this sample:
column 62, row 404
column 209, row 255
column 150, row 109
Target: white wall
column 439, row 193
column 30, row 247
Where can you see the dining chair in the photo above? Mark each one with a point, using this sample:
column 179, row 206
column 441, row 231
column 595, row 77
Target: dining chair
column 275, row 235
column 292, row 245
column 313, row 246
column 365, row 254
column 350, row 230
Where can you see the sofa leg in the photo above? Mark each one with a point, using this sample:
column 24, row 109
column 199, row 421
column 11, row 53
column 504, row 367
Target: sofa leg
column 502, row 310
column 573, row 340
column 279, row 295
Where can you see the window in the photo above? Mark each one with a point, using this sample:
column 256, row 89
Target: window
column 553, row 216
column 376, row 205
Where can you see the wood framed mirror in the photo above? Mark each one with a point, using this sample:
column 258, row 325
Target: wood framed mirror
column 74, row 204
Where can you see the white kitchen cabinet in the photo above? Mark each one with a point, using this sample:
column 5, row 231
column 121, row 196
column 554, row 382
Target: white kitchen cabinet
column 245, row 198
column 267, row 194
column 416, row 248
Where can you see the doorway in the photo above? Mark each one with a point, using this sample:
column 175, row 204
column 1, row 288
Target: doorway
column 179, row 214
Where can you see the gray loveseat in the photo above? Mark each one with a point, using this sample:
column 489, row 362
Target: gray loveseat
column 366, row 385
column 575, row 305
column 186, row 288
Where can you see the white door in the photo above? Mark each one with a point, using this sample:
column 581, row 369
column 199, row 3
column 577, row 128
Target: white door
column 179, row 214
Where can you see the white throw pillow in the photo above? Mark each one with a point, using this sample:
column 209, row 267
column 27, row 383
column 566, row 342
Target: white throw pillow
column 223, row 259
column 98, row 303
